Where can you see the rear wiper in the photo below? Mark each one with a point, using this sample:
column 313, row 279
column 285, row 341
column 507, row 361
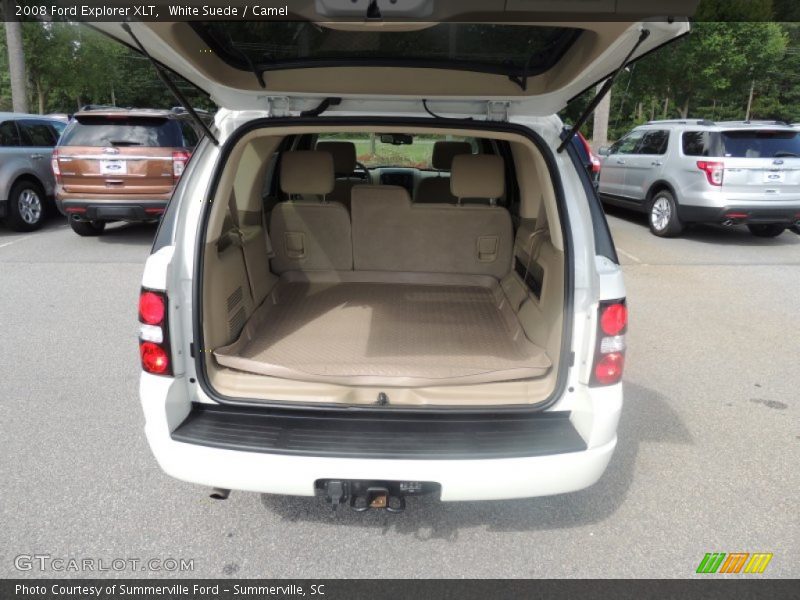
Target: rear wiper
column 123, row 143
column 785, row 153
column 601, row 94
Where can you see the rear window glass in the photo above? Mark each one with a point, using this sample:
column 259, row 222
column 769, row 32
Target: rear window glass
column 372, row 152
column 760, row 143
column 509, row 49
column 124, row 131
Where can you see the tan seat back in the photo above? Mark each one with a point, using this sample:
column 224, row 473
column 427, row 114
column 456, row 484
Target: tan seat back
column 392, row 234
column 309, row 235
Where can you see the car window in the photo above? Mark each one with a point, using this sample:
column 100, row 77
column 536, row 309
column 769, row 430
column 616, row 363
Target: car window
column 627, row 144
column 653, row 142
column 371, row 152
column 9, row 135
column 37, row 134
column 190, row 137
column 696, row 143
column 762, row 143
column 122, row 130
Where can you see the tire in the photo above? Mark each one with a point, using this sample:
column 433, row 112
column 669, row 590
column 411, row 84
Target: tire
column 26, row 206
column 87, row 228
column 662, row 215
column 795, row 228
column 767, row 231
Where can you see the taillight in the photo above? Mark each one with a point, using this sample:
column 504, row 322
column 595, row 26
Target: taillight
column 154, row 348
column 55, row 167
column 609, row 354
column 714, row 171
column 179, row 160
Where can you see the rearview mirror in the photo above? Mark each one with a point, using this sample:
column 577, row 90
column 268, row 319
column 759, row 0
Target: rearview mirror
column 396, row 139
column 604, row 150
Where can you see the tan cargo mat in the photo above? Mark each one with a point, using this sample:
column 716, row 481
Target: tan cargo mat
column 378, row 333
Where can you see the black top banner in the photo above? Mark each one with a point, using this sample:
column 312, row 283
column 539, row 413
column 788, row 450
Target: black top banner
column 495, row 11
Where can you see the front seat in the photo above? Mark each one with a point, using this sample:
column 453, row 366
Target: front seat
column 436, row 190
column 344, row 166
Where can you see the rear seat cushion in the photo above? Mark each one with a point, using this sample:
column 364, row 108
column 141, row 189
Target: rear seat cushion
column 392, row 234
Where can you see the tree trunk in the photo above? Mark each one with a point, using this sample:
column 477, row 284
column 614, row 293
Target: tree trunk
column 16, row 66
column 666, row 108
column 41, row 94
column 685, row 108
column 600, row 127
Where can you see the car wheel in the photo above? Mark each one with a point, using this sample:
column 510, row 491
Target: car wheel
column 795, row 228
column 87, row 228
column 25, row 206
column 663, row 215
column 766, row 231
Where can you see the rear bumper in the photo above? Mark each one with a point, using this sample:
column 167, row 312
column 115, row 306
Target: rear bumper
column 739, row 214
column 93, row 210
column 259, row 457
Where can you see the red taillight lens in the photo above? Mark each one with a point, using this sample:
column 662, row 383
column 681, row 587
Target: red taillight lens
column 609, row 351
column 151, row 308
column 179, row 160
column 154, row 346
column 154, row 358
column 613, row 319
column 55, row 167
column 608, row 370
column 714, row 171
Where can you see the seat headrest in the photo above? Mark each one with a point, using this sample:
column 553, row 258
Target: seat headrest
column 477, row 176
column 443, row 153
column 344, row 156
column 307, row 172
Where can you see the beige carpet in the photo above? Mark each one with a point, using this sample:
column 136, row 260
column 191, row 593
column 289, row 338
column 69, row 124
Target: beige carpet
column 385, row 334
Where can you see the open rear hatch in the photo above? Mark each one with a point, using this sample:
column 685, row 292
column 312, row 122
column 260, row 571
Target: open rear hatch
column 537, row 54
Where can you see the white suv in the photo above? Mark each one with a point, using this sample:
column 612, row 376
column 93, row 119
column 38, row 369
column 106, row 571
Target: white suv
column 449, row 317
column 697, row 171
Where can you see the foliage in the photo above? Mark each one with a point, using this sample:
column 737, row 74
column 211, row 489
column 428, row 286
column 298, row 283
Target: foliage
column 70, row 65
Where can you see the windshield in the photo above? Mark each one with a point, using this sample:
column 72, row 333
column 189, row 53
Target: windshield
column 122, row 131
column 762, row 143
column 371, row 152
column 507, row 49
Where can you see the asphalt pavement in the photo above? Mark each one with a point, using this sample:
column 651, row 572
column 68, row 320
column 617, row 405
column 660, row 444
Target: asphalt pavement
column 707, row 461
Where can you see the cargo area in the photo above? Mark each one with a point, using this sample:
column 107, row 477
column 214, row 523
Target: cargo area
column 430, row 281
column 382, row 330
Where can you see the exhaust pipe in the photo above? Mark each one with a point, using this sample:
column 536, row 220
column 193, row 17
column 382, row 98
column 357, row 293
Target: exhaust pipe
column 220, row 494
column 727, row 222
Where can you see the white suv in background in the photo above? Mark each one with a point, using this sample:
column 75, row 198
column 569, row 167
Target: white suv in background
column 697, row 171
column 458, row 330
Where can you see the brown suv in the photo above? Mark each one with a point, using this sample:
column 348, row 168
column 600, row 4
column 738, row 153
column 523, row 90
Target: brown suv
column 120, row 165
